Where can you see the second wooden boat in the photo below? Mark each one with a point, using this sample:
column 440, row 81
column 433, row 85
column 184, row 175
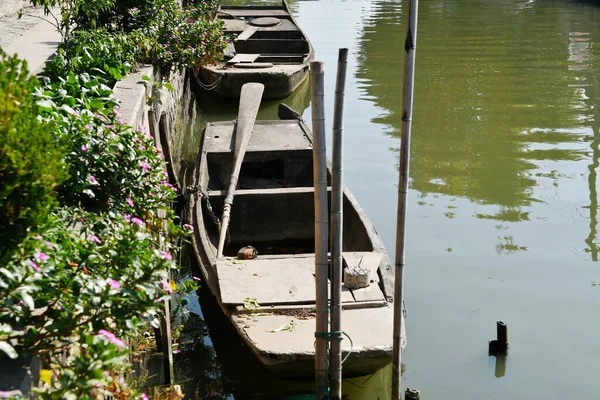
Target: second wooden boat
column 268, row 47
column 270, row 299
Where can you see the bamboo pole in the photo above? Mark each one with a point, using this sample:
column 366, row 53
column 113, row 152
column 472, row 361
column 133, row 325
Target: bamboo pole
column 321, row 227
column 407, row 100
column 335, row 355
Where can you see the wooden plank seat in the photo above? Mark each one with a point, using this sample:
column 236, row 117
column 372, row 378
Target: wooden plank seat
column 243, row 58
column 286, row 280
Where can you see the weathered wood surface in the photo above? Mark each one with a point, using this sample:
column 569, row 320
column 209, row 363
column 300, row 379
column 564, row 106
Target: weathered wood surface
column 239, row 58
column 265, row 137
column 368, row 329
column 248, row 31
column 253, row 65
column 371, row 293
column 268, row 281
column 283, row 281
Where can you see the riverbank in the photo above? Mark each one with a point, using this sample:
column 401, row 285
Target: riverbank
column 89, row 270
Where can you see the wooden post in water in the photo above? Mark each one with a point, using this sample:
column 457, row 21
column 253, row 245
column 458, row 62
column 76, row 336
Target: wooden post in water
column 407, row 105
column 321, row 228
column 412, row 394
column 337, row 196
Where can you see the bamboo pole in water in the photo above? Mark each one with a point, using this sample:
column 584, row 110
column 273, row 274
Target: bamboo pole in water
column 407, row 100
column 335, row 355
column 321, row 227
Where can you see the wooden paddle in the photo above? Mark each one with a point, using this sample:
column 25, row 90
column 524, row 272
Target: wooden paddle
column 250, row 98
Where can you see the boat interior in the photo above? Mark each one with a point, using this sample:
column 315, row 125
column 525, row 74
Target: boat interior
column 262, row 35
column 273, row 211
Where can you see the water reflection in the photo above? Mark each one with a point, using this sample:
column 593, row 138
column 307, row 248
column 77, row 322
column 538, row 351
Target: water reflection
column 494, row 103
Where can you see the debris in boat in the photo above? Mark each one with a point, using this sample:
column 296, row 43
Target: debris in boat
column 247, row 253
column 284, row 327
column 235, row 260
column 356, row 277
column 299, row 313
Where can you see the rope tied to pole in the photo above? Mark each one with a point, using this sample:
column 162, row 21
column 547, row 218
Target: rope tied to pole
column 336, row 335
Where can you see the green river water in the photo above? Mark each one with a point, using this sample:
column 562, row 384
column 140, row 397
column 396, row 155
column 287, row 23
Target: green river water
column 503, row 206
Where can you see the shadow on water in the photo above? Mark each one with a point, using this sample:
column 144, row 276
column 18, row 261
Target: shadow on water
column 214, row 363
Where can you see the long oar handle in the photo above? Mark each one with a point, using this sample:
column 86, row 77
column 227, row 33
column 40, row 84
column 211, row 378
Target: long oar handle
column 250, row 97
column 224, row 226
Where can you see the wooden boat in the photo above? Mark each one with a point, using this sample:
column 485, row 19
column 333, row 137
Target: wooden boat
column 270, row 299
column 268, row 48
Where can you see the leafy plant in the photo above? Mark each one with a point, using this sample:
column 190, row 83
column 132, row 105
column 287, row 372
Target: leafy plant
column 31, row 160
column 109, row 56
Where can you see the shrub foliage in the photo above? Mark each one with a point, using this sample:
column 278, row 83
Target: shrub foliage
column 31, row 159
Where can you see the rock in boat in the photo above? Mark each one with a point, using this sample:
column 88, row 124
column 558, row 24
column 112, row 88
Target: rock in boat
column 268, row 48
column 270, row 300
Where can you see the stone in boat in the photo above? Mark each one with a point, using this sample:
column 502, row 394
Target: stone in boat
column 270, row 299
column 268, row 48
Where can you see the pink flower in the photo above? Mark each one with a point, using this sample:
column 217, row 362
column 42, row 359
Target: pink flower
column 138, row 221
column 145, row 165
column 142, row 147
column 94, row 238
column 93, row 179
column 42, row 256
column 84, row 148
column 111, row 337
column 89, row 126
column 165, row 255
column 34, row 266
column 196, row 278
column 116, row 110
column 176, row 351
column 113, row 284
column 167, row 286
column 144, row 396
column 189, row 227
column 129, row 201
column 120, row 121
column 127, row 217
column 151, row 194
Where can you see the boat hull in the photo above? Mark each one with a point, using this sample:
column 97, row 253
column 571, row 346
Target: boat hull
column 279, row 81
column 277, row 55
column 270, row 299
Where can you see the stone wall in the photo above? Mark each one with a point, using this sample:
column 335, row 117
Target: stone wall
column 177, row 109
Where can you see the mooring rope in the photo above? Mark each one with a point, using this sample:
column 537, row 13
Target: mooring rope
column 197, row 189
column 211, row 86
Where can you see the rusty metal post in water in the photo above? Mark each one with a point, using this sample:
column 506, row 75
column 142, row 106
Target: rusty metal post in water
column 321, row 228
column 407, row 101
column 337, row 196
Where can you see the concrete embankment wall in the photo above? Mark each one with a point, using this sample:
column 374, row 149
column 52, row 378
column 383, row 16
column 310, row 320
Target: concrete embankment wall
column 177, row 107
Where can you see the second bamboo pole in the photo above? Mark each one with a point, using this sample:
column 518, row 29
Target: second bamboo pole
column 321, row 228
column 337, row 195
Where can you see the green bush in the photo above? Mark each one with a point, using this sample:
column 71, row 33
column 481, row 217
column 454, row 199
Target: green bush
column 110, row 56
column 31, row 160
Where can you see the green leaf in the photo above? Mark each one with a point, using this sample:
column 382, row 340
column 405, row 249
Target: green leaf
column 8, row 350
column 5, row 328
column 28, row 300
